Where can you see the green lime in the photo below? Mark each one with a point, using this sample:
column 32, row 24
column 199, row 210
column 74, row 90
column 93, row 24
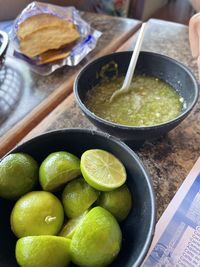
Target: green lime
column 18, row 175
column 118, row 202
column 97, row 240
column 57, row 169
column 102, row 170
column 71, row 226
column 43, row 251
column 37, row 213
column 77, row 197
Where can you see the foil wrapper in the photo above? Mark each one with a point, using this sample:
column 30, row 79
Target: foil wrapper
column 87, row 42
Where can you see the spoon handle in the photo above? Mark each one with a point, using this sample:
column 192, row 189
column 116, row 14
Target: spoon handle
column 133, row 61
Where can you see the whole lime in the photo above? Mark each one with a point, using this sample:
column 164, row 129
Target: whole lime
column 43, row 251
column 77, row 197
column 57, row 169
column 18, row 175
column 37, row 213
column 118, row 202
column 97, row 240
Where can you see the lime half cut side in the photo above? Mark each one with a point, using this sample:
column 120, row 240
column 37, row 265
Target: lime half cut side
column 102, row 170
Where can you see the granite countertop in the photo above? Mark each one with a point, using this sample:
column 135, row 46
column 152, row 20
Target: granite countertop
column 170, row 158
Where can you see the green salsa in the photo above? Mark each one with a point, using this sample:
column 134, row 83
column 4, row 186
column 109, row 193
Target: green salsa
column 150, row 101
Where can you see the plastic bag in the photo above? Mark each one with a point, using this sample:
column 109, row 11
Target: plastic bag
column 87, row 42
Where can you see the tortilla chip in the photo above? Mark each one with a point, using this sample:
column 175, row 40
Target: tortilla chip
column 46, row 39
column 52, row 55
column 39, row 22
column 55, row 54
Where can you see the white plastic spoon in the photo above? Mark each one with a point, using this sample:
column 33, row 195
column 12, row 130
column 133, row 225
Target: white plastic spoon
column 127, row 81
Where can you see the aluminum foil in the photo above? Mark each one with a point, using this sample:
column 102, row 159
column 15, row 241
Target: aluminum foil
column 87, row 42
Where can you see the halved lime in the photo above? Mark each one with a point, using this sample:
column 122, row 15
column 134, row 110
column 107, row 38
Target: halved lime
column 57, row 169
column 71, row 226
column 102, row 170
column 77, row 197
column 97, row 240
column 118, row 202
column 42, row 251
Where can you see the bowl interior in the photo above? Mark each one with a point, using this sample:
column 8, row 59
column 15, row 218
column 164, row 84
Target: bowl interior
column 152, row 64
column 137, row 229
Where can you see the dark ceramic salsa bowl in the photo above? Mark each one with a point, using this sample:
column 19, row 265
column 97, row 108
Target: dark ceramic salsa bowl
column 151, row 64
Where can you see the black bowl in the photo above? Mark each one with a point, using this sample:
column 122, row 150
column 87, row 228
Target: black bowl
column 137, row 229
column 152, row 64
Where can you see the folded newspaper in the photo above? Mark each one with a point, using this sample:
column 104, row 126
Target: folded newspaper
column 177, row 236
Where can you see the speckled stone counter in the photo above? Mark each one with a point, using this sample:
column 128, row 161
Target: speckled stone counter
column 170, row 158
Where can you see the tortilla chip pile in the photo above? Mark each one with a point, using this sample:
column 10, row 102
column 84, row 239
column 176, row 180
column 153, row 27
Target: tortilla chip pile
column 47, row 37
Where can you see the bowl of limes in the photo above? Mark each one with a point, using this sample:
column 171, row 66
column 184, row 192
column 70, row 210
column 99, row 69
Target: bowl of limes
column 75, row 197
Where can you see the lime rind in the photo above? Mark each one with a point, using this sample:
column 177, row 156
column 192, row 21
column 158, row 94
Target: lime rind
column 37, row 213
column 77, row 197
column 43, row 251
column 118, row 202
column 71, row 226
column 97, row 240
column 57, row 169
column 19, row 174
column 60, row 179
